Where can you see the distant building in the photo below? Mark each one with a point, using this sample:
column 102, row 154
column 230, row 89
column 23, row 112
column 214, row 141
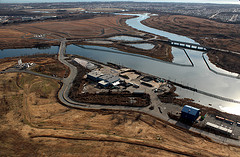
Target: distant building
column 22, row 65
column 189, row 113
column 20, row 62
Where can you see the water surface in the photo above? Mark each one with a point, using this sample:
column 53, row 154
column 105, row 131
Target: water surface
column 125, row 38
column 144, row 46
column 197, row 76
column 27, row 51
column 136, row 23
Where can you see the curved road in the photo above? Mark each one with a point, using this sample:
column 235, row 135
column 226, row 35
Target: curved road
column 67, row 84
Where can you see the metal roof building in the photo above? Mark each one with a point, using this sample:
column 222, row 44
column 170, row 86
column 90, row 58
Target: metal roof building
column 103, row 83
column 95, row 75
column 219, row 128
column 85, row 63
column 109, row 78
column 103, row 79
column 190, row 113
column 113, row 79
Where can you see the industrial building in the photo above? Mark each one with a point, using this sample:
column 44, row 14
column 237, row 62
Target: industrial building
column 84, row 63
column 218, row 128
column 103, row 80
column 94, row 75
column 189, row 113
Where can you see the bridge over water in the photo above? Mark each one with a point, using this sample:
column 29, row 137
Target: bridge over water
column 187, row 45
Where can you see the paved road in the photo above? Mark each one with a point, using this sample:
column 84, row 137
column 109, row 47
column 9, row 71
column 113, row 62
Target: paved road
column 156, row 112
column 67, row 84
column 13, row 70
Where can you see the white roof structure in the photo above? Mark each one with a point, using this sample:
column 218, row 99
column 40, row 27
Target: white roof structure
column 95, row 73
column 103, row 83
column 116, row 83
column 20, row 62
column 219, row 128
column 85, row 63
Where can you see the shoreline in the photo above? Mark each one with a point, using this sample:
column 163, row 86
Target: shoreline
column 128, row 52
column 119, row 46
column 216, row 57
column 222, row 113
column 159, row 113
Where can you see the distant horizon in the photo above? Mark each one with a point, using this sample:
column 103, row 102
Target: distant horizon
column 161, row 1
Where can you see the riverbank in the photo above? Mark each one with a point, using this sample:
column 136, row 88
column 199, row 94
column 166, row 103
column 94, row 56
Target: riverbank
column 227, row 61
column 160, row 50
column 42, row 119
column 89, row 88
column 27, row 35
column 172, row 98
column 40, row 126
column 206, row 32
column 101, row 26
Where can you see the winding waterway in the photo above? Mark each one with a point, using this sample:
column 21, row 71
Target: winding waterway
column 224, row 84
column 136, row 23
column 196, row 75
column 199, row 76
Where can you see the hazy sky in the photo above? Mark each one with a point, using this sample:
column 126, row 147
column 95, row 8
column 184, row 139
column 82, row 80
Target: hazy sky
column 190, row 1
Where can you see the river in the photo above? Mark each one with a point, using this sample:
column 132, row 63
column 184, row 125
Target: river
column 27, row 51
column 198, row 76
column 222, row 83
column 181, row 70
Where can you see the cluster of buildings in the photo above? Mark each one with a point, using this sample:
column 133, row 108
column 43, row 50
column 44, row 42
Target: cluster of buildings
column 107, row 77
column 191, row 114
column 22, row 65
column 104, row 80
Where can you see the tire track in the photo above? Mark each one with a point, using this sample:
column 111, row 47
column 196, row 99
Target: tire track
column 119, row 140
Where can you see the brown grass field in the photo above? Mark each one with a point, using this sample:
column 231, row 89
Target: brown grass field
column 45, row 64
column 34, row 123
column 94, row 27
column 206, row 32
column 22, row 35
